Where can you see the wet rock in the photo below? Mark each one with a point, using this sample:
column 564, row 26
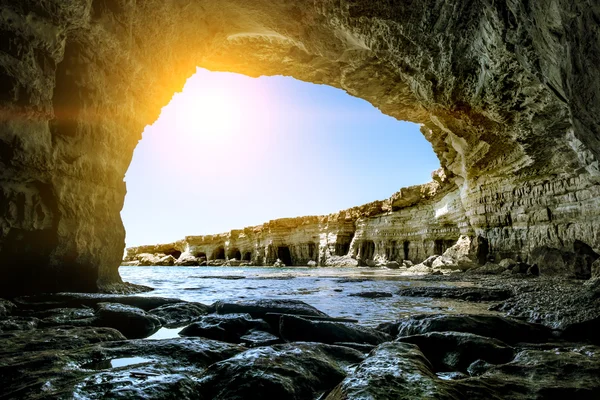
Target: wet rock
column 584, row 258
column 288, row 371
column 362, row 347
column 255, row 338
column 131, row 321
column 462, row 293
column 78, row 300
column 311, row 264
column 228, row 328
column 371, row 295
column 187, row 260
column 444, row 262
column 259, row 308
column 18, row 323
column 394, row 371
column 292, row 328
column 493, row 326
column 393, row 265
column 67, row 316
column 6, row 307
column 179, row 314
column 420, row 269
column 61, row 338
column 536, row 374
column 456, row 351
column 279, row 264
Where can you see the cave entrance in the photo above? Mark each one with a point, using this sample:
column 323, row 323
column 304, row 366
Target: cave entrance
column 175, row 253
column 235, row 253
column 247, row 256
column 441, row 245
column 200, row 255
column 201, row 116
column 367, row 250
column 283, row 253
column 406, row 248
column 219, row 254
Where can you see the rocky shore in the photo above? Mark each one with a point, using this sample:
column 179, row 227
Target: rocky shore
column 541, row 342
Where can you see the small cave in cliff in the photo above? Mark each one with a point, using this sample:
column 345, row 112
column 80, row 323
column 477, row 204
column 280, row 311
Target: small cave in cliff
column 200, row 255
column 175, row 253
column 406, row 249
column 247, row 256
column 367, row 250
column 235, row 254
column 441, row 245
column 218, row 254
column 284, row 254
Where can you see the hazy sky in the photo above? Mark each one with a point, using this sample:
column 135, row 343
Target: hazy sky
column 232, row 151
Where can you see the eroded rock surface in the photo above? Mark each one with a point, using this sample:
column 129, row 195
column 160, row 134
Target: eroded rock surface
column 506, row 93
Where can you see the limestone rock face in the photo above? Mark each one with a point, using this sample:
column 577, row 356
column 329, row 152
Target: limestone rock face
column 506, row 93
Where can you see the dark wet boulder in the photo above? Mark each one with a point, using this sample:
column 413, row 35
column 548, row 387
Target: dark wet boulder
column 67, row 316
column 6, row 307
column 493, row 326
column 131, row 321
column 372, row 295
column 18, row 323
column 259, row 308
column 456, row 351
column 179, row 314
column 362, row 347
column 394, row 371
column 461, row 293
column 61, row 338
column 288, row 371
column 255, row 338
column 560, row 373
column 78, row 300
column 294, row 328
column 228, row 328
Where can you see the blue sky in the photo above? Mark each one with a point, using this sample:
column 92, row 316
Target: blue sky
column 232, row 151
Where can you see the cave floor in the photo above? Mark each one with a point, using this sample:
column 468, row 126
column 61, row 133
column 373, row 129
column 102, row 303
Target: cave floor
column 518, row 337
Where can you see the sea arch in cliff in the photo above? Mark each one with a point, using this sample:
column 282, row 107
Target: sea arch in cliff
column 505, row 92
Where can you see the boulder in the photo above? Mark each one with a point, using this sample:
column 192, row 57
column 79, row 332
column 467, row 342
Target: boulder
column 371, row 295
column 179, row 314
column 444, row 262
column 259, row 308
column 227, row 328
column 293, row 328
column 147, row 259
column 6, row 307
column 584, row 258
column 278, row 263
column 187, row 260
column 493, row 326
column 67, row 316
column 393, row 265
column 456, row 351
column 311, row 264
column 428, row 262
column 283, row 372
column 131, row 321
column 256, row 338
column 394, row 371
column 487, row 269
column 463, row 293
column 420, row 269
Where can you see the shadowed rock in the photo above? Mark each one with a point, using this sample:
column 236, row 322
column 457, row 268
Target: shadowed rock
column 259, row 308
column 455, row 351
column 179, row 314
column 131, row 321
column 283, row 372
column 292, row 328
column 227, row 328
column 493, row 326
column 462, row 293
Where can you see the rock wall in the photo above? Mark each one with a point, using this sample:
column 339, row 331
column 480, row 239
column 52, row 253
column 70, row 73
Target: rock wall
column 506, row 92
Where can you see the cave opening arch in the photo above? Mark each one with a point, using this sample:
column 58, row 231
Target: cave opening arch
column 487, row 134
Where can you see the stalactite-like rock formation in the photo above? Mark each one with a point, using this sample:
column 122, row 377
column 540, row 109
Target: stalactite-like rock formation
column 507, row 92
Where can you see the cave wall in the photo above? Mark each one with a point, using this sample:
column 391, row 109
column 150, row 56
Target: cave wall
column 506, row 92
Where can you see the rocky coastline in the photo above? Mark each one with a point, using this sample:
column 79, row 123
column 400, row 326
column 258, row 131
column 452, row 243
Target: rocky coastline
column 539, row 341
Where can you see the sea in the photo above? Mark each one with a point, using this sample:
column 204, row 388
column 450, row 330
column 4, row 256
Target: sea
column 331, row 290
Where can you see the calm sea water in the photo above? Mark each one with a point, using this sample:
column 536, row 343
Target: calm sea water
column 327, row 289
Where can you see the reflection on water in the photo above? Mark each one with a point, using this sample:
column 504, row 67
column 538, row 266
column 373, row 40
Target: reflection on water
column 327, row 289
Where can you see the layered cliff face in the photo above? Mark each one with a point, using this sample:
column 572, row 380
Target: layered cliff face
column 506, row 92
